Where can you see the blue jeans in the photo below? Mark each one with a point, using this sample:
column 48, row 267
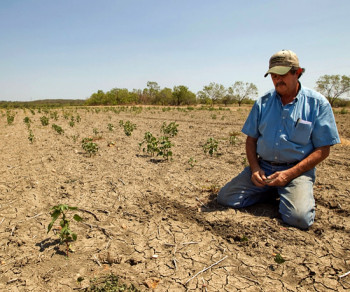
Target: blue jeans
column 297, row 203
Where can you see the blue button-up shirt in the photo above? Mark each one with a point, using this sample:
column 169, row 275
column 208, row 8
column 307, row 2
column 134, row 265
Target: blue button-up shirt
column 289, row 133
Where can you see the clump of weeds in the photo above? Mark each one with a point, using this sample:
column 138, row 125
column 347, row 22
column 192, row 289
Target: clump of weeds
column 66, row 234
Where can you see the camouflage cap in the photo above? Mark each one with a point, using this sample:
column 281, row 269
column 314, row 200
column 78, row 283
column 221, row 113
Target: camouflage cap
column 281, row 62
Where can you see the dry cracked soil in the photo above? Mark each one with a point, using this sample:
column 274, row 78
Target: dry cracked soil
column 154, row 222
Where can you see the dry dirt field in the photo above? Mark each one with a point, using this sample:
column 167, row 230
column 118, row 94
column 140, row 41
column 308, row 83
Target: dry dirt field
column 156, row 223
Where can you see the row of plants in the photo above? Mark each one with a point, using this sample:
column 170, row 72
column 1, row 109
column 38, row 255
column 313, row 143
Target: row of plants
column 68, row 112
column 152, row 145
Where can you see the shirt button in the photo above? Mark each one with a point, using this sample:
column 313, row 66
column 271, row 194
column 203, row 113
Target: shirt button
column 280, row 131
column 276, row 144
column 283, row 117
column 276, row 157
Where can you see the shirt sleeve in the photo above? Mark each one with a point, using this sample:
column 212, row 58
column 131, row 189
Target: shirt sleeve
column 250, row 127
column 325, row 129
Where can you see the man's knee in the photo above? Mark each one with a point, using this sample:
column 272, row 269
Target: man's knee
column 228, row 197
column 299, row 218
column 223, row 197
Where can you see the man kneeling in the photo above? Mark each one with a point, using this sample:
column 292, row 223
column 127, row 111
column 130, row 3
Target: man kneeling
column 289, row 131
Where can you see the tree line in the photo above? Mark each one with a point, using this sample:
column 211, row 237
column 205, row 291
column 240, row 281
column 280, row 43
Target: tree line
column 213, row 93
column 333, row 87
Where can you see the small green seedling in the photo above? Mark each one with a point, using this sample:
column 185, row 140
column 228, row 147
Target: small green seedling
column 164, row 149
column 151, row 143
column 110, row 127
column 89, row 146
column 192, row 162
column 233, row 138
column 66, row 115
column 31, row 136
column 244, row 238
column 211, row 146
column 44, row 120
column 279, row 259
column 66, row 235
column 128, row 127
column 95, row 131
column 245, row 162
column 72, row 122
column 54, row 115
column 10, row 117
column 27, row 121
column 85, row 140
column 170, row 130
column 75, row 138
column 58, row 129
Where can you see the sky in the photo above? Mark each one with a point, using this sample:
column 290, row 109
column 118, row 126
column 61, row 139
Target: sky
column 70, row 49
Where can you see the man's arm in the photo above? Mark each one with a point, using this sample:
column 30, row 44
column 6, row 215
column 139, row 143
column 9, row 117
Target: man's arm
column 281, row 178
column 258, row 175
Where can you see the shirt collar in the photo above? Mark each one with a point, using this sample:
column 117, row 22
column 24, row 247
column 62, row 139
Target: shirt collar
column 296, row 98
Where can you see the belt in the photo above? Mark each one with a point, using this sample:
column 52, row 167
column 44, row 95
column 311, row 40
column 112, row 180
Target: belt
column 272, row 163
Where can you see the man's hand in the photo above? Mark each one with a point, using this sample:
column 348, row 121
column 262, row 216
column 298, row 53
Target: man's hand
column 258, row 178
column 282, row 178
column 278, row 179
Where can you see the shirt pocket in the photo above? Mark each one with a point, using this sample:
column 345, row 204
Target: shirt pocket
column 301, row 133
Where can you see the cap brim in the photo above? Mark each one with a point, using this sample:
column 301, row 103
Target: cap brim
column 279, row 70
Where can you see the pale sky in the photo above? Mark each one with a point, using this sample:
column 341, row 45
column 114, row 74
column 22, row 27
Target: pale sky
column 71, row 48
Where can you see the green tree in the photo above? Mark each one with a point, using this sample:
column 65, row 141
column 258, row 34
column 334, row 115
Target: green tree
column 181, row 95
column 241, row 91
column 212, row 93
column 118, row 96
column 333, row 86
column 227, row 99
column 151, row 91
column 164, row 96
column 96, row 98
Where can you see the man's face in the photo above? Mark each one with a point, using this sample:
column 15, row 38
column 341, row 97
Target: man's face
column 285, row 84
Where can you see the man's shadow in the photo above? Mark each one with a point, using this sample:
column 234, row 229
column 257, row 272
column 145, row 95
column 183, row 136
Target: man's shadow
column 267, row 208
